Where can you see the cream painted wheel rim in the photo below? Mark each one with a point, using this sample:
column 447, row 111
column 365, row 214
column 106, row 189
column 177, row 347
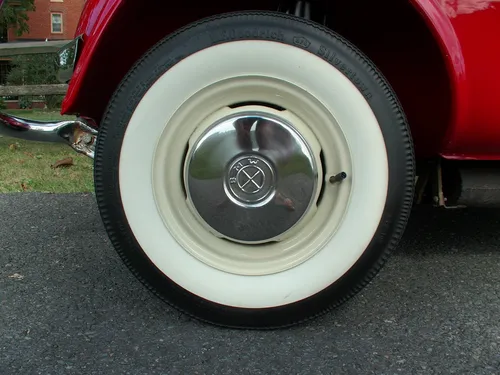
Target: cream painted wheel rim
column 203, row 109
column 331, row 115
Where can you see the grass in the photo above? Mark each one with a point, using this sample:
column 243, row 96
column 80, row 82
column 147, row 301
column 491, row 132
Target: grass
column 27, row 166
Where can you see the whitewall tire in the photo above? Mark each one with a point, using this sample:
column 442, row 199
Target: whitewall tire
column 254, row 170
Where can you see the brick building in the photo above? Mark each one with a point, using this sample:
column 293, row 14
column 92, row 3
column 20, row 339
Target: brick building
column 52, row 20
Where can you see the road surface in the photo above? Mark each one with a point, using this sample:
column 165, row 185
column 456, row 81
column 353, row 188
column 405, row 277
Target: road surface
column 69, row 306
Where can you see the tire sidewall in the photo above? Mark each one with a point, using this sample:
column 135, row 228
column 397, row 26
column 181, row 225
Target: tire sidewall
column 283, row 29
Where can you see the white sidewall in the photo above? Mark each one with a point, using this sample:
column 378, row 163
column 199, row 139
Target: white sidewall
column 335, row 92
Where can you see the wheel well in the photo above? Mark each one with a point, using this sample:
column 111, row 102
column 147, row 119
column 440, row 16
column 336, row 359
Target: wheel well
column 391, row 33
column 396, row 38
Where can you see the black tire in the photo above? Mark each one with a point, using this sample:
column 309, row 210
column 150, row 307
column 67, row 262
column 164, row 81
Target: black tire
column 292, row 31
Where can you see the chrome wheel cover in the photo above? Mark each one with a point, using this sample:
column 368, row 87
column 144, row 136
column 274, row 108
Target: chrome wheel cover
column 251, row 177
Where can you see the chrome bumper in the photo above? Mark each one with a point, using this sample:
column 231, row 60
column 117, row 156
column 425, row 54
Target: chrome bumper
column 76, row 133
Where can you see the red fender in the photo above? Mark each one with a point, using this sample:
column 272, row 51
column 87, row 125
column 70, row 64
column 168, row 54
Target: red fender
column 96, row 17
column 467, row 31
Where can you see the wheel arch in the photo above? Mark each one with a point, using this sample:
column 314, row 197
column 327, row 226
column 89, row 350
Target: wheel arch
column 409, row 49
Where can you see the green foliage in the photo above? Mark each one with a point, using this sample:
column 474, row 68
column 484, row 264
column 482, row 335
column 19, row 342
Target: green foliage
column 54, row 101
column 25, row 102
column 39, row 69
column 14, row 14
column 36, row 69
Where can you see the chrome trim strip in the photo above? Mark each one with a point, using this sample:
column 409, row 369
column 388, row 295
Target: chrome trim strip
column 67, row 59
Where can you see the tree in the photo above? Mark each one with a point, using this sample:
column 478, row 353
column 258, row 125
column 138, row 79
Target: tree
column 14, row 14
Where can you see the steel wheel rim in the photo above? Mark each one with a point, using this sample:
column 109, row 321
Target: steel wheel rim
column 317, row 225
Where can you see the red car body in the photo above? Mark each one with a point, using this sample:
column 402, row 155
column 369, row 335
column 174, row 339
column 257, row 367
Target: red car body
column 323, row 144
column 442, row 57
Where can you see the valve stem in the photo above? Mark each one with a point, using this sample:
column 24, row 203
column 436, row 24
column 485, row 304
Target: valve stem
column 338, row 177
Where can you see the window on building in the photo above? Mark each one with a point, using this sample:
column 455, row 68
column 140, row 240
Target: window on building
column 56, row 23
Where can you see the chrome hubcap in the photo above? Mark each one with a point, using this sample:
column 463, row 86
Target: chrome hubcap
column 250, row 177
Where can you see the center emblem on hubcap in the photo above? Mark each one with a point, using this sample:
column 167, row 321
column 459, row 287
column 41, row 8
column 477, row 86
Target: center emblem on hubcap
column 250, row 180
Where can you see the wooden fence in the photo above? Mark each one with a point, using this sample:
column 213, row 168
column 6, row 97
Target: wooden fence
column 29, row 48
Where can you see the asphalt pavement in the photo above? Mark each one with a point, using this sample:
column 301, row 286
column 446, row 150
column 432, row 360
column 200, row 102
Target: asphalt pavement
column 69, row 306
